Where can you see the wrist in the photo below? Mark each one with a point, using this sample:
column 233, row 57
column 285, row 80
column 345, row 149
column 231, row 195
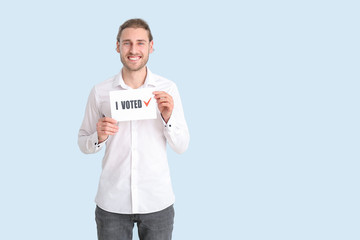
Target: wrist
column 102, row 139
column 165, row 118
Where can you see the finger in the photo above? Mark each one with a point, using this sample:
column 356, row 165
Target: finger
column 103, row 122
column 107, row 126
column 166, row 97
column 160, row 95
column 165, row 105
column 107, row 131
column 165, row 100
column 158, row 92
column 109, row 120
column 161, row 100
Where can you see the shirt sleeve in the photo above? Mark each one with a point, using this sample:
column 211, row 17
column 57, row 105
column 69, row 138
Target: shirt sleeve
column 87, row 137
column 176, row 130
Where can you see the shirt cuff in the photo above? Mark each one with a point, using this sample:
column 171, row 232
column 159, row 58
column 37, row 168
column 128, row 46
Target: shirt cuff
column 168, row 124
column 95, row 142
column 170, row 128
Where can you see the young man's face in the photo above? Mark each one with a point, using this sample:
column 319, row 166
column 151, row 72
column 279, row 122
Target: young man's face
column 134, row 48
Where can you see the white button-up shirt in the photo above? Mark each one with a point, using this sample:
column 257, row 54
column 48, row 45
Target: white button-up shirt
column 135, row 174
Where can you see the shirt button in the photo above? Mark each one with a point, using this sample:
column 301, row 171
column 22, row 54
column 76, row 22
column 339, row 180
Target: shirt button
column 170, row 125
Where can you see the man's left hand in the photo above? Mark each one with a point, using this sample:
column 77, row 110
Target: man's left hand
column 165, row 104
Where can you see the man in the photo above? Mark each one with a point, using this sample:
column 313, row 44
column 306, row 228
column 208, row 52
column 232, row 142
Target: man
column 135, row 185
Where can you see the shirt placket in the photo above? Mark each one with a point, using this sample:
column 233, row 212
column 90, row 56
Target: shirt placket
column 134, row 166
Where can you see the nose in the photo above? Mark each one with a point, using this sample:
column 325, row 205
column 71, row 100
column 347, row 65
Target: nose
column 133, row 49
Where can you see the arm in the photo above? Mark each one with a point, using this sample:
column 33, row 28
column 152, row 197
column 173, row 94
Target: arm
column 176, row 131
column 95, row 129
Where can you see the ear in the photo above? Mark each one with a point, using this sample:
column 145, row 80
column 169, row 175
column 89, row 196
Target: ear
column 151, row 46
column 117, row 46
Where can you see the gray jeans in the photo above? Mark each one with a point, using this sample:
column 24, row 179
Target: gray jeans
column 151, row 226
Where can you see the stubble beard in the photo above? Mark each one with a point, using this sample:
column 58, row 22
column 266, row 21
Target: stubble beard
column 134, row 68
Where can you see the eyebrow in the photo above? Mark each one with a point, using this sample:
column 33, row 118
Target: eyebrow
column 139, row 40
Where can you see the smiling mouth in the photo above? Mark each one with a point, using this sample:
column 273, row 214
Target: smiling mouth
column 134, row 58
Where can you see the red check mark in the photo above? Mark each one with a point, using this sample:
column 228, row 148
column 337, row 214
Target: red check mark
column 147, row 103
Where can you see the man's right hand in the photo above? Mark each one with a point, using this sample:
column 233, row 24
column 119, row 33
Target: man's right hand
column 106, row 126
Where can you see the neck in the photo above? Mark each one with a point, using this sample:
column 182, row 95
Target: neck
column 134, row 79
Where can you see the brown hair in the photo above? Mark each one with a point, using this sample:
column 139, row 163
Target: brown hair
column 134, row 23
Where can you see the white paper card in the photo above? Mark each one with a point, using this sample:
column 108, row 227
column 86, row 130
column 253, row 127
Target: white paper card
column 133, row 104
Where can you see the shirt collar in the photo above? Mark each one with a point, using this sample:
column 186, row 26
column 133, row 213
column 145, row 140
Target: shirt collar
column 149, row 81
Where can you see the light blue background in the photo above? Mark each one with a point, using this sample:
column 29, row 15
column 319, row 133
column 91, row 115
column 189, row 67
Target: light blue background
column 271, row 96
